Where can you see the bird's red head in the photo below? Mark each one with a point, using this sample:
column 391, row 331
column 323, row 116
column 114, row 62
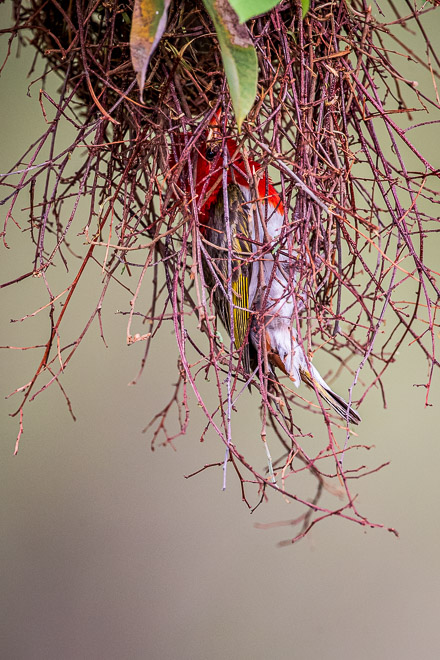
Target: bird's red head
column 209, row 173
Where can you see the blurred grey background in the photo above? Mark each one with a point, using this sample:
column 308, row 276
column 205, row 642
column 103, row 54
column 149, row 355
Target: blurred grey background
column 108, row 552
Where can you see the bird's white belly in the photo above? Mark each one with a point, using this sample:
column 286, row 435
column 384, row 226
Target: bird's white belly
column 271, row 291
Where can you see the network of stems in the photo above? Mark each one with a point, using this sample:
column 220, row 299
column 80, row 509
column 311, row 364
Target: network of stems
column 335, row 125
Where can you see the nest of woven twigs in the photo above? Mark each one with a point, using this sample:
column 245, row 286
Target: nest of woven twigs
column 326, row 85
column 187, row 56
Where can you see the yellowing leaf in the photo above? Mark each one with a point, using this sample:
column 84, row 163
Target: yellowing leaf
column 238, row 55
column 147, row 27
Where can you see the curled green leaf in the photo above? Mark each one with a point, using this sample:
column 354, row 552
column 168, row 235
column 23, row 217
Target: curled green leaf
column 238, row 55
column 246, row 9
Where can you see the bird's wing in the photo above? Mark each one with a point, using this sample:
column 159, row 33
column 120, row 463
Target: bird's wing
column 241, row 268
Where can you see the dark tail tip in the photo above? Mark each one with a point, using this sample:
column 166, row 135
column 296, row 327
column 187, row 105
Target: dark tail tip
column 334, row 400
column 341, row 407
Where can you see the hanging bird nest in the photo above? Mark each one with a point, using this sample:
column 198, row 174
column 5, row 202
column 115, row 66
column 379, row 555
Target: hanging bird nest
column 330, row 126
column 89, row 43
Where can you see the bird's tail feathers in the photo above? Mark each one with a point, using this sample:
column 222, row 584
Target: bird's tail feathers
column 334, row 400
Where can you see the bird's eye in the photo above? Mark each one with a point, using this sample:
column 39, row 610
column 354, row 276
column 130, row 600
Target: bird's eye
column 211, row 151
column 213, row 142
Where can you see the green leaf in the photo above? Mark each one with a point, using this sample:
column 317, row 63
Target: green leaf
column 238, row 55
column 247, row 9
column 305, row 4
column 147, row 28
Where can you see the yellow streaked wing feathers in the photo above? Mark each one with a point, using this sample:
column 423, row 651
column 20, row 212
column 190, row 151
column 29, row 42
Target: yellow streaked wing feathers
column 240, row 298
column 241, row 258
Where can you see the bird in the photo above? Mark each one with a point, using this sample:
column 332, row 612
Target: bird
column 257, row 268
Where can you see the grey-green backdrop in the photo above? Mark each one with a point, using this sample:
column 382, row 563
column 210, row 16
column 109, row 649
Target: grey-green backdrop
column 108, row 552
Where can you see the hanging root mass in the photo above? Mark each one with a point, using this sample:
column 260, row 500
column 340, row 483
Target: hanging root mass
column 345, row 97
